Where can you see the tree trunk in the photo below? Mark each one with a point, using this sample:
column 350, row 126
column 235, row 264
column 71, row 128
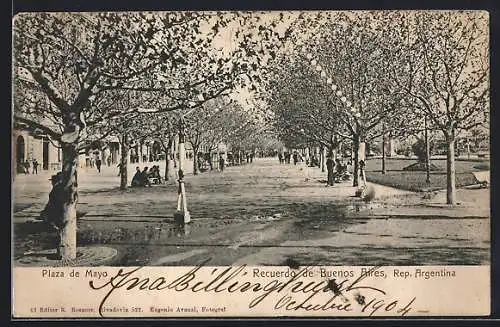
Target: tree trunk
column 427, row 155
column 69, row 199
column 355, row 151
column 195, row 161
column 124, row 162
column 390, row 143
column 167, row 165
column 169, row 159
column 361, row 155
column 210, row 160
column 450, row 169
column 323, row 159
column 383, row 154
column 140, row 153
column 174, row 151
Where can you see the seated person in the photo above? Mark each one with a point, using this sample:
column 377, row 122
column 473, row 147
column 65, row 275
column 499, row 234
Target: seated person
column 154, row 174
column 157, row 175
column 136, row 180
column 145, row 177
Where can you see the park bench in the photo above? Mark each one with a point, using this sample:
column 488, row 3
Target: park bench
column 155, row 180
column 482, row 178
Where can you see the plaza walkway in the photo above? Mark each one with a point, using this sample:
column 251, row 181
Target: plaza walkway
column 263, row 213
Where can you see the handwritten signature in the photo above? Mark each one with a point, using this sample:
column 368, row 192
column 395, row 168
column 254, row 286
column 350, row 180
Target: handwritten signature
column 295, row 293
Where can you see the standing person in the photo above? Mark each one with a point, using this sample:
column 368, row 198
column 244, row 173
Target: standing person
column 338, row 170
column 35, row 166
column 53, row 211
column 221, row 162
column 295, row 157
column 330, row 165
column 280, row 157
column 26, row 167
column 98, row 163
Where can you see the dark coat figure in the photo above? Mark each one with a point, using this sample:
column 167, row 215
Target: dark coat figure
column 26, row 166
column 280, row 157
column 136, row 180
column 145, row 177
column 35, row 166
column 287, row 157
column 98, row 164
column 295, row 158
column 330, row 165
column 53, row 211
column 221, row 163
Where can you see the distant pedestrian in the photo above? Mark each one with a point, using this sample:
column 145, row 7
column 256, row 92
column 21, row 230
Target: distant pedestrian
column 98, row 164
column 26, row 167
column 280, row 157
column 287, row 157
column 330, row 165
column 295, row 157
column 35, row 166
column 221, row 162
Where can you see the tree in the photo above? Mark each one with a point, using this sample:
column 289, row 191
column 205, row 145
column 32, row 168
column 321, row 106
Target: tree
column 302, row 113
column 446, row 72
column 337, row 86
column 199, row 124
column 351, row 58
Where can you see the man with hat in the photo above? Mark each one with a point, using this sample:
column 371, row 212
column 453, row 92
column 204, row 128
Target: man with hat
column 53, row 211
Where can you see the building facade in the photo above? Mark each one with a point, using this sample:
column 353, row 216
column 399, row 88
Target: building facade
column 28, row 147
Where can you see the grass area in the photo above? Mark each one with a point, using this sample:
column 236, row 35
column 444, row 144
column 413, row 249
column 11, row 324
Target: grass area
column 415, row 180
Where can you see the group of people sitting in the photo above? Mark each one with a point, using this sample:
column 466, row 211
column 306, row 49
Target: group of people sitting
column 146, row 177
column 337, row 171
column 341, row 172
